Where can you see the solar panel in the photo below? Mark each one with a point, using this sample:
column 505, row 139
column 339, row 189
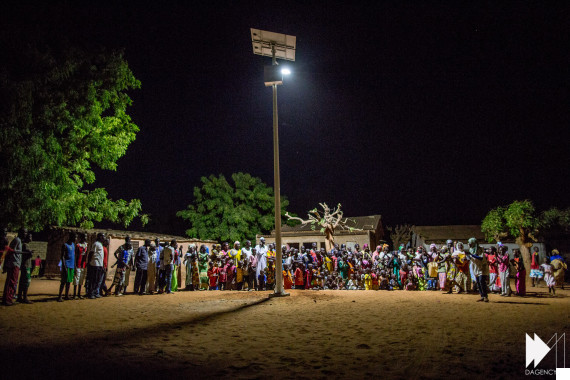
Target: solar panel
column 262, row 41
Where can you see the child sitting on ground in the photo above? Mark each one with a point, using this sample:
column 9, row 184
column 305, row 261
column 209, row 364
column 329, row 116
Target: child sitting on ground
column 393, row 284
column 352, row 283
column 331, row 282
column 420, row 279
column 410, row 284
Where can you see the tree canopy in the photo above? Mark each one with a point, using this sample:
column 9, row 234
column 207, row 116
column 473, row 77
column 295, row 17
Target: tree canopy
column 64, row 112
column 520, row 220
column 228, row 212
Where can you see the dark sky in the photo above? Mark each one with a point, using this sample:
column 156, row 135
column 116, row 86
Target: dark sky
column 424, row 112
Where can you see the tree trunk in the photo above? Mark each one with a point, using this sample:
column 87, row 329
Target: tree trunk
column 329, row 240
column 525, row 253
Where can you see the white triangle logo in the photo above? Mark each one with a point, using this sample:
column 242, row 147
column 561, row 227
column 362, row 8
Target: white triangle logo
column 535, row 350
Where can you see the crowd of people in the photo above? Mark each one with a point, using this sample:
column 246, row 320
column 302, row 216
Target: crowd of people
column 450, row 268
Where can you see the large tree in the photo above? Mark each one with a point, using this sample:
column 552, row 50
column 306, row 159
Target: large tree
column 63, row 113
column 228, row 212
column 401, row 234
column 520, row 221
column 327, row 220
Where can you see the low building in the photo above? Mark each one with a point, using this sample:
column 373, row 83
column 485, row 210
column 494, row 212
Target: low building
column 427, row 235
column 366, row 230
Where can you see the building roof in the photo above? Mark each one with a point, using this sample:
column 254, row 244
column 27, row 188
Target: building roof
column 366, row 223
column 136, row 235
column 455, row 233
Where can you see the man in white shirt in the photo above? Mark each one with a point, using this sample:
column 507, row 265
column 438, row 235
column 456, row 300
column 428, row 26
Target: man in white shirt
column 166, row 266
column 261, row 254
column 97, row 271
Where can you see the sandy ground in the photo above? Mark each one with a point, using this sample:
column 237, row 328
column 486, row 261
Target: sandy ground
column 311, row 334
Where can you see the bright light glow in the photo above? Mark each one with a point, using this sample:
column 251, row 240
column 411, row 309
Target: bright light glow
column 285, row 71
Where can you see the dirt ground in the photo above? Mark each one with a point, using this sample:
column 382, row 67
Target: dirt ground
column 310, row 334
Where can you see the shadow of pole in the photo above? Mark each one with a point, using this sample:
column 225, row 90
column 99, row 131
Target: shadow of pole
column 44, row 359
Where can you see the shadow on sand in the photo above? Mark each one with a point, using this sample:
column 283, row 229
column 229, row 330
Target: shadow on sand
column 85, row 356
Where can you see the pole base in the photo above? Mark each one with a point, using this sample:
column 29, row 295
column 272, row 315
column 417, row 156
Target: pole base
column 274, row 295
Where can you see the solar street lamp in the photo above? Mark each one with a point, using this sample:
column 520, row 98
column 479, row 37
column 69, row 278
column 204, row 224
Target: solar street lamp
column 282, row 46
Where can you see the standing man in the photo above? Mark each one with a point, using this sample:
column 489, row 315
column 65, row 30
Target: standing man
column 67, row 265
column 159, row 272
column 246, row 251
column 96, row 268
column 261, row 254
column 141, row 265
column 307, row 258
column 12, row 264
column 128, row 261
column 166, row 266
column 479, row 263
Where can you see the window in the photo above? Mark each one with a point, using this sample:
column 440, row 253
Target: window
column 293, row 245
column 309, row 245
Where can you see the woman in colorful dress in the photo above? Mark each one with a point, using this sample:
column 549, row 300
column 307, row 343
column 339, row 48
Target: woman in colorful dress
column 521, row 273
column 442, row 268
column 559, row 266
column 203, row 267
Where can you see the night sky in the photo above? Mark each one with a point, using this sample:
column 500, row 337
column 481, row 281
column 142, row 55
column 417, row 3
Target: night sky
column 423, row 112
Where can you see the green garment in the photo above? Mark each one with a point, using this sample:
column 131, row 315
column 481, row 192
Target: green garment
column 203, row 269
column 343, row 269
column 174, row 285
column 443, row 265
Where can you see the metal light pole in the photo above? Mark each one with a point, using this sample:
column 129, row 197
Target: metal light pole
column 277, row 190
column 273, row 44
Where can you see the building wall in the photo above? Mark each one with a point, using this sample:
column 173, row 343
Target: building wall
column 39, row 247
column 349, row 240
column 511, row 246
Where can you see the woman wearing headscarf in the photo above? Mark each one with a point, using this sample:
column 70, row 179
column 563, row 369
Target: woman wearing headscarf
column 559, row 266
column 203, row 267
